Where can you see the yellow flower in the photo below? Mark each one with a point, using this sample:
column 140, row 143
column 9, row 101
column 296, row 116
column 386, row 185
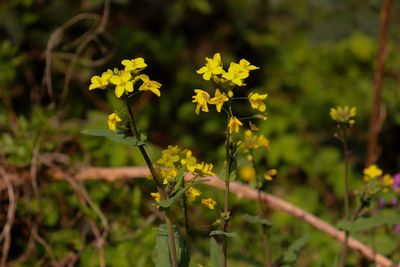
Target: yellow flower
column 256, row 101
column 209, row 203
column 134, row 64
column 212, row 67
column 205, row 168
column 236, row 74
column 123, row 83
column 218, row 100
column 169, row 156
column 263, row 141
column 247, row 173
column 343, row 114
column 246, row 65
column 387, row 181
column 113, row 119
column 270, row 174
column 201, row 98
column 168, row 174
column 234, row 124
column 192, row 193
column 189, row 161
column 149, row 85
column 156, row 196
column 98, row 82
column 371, row 172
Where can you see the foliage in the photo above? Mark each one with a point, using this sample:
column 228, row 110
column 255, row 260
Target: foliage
column 313, row 55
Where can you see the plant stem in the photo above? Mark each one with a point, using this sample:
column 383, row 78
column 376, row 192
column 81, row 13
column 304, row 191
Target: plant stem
column 267, row 252
column 346, row 195
column 168, row 222
column 226, row 202
column 186, row 218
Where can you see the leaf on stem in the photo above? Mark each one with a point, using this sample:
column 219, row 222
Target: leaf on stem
column 116, row 137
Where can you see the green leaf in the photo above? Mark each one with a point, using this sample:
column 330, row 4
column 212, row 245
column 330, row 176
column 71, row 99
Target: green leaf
column 215, row 253
column 367, row 223
column 161, row 255
column 256, row 220
column 116, row 137
column 294, row 249
column 179, row 178
column 168, row 202
column 219, row 232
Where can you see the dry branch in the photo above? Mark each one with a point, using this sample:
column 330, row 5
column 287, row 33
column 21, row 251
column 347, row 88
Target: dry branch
column 242, row 191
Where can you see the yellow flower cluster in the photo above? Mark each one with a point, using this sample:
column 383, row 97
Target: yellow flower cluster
column 234, row 76
column 173, row 159
column 253, row 142
column 373, row 174
column 343, row 115
column 126, row 79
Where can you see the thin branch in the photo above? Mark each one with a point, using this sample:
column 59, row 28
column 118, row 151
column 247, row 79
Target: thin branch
column 6, row 232
column 375, row 120
column 241, row 190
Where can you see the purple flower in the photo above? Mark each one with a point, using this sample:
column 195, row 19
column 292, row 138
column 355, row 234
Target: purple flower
column 381, row 202
column 397, row 229
column 396, row 181
column 395, row 201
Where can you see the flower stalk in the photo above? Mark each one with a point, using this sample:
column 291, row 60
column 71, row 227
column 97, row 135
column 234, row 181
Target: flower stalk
column 267, row 252
column 168, row 222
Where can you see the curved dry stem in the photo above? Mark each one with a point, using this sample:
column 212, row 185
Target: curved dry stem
column 241, row 190
column 6, row 232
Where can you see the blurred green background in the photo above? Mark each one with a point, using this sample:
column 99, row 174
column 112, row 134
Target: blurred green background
column 312, row 55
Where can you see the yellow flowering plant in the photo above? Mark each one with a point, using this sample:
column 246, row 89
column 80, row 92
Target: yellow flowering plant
column 227, row 83
column 126, row 83
column 344, row 119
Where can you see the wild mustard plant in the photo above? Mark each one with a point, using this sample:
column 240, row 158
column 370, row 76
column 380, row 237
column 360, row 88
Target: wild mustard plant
column 344, row 118
column 225, row 83
column 250, row 144
column 126, row 83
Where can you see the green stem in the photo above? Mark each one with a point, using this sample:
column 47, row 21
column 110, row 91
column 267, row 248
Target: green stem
column 226, row 202
column 346, row 196
column 186, row 218
column 168, row 222
column 267, row 252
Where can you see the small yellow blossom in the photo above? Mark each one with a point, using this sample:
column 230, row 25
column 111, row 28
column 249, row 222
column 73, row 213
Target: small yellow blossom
column 100, row 82
column 123, row 83
column 212, row 67
column 256, row 101
column 205, row 168
column 246, row 65
column 270, row 174
column 234, row 124
column 112, row 121
column 149, row 85
column 168, row 174
column 343, row 114
column 192, row 193
column 201, row 98
column 372, row 172
column 169, row 156
column 263, row 141
column 218, row 100
column 254, row 141
column 156, row 196
column 247, row 173
column 134, row 64
column 189, row 161
column 386, row 182
column 236, row 74
column 209, row 203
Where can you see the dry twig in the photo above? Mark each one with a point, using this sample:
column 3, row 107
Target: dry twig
column 241, row 190
column 6, row 232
